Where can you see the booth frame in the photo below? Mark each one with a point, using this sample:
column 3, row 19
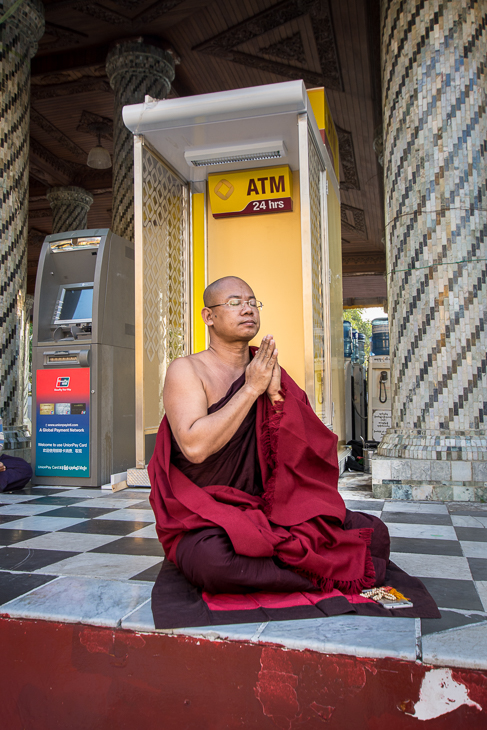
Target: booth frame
column 321, row 286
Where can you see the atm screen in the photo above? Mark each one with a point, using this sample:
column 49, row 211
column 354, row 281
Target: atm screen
column 76, row 305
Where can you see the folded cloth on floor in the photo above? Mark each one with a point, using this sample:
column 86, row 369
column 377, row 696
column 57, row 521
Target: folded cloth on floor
column 176, row 603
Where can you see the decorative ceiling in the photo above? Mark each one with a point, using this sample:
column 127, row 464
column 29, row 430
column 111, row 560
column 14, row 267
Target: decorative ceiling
column 217, row 46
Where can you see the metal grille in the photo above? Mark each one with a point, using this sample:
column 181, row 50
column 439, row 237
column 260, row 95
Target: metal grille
column 315, row 175
column 166, row 296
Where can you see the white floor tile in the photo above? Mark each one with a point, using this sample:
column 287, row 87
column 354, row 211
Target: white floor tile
column 422, row 532
column 79, row 492
column 462, row 647
column 415, row 507
column 468, row 521
column 45, row 524
column 368, row 636
column 25, row 508
column 77, row 542
column 129, row 515
column 108, row 502
column 15, row 498
column 433, row 566
column 85, row 600
column 140, row 620
column 481, row 586
column 103, row 565
column 473, row 549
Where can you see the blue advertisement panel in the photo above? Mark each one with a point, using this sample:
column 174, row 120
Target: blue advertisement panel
column 63, row 422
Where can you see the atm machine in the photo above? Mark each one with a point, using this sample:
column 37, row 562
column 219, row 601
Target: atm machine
column 83, row 359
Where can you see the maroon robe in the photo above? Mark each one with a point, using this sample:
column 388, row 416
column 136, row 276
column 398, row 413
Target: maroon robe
column 266, row 503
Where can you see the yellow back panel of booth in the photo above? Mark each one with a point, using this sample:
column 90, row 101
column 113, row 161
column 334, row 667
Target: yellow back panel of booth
column 199, row 271
column 265, row 251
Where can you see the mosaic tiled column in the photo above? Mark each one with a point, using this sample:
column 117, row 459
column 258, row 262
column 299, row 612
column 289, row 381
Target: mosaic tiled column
column 70, row 206
column 22, row 27
column 29, row 304
column 135, row 69
column 435, row 169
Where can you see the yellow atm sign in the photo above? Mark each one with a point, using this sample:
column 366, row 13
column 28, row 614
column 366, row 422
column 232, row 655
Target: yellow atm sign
column 251, row 192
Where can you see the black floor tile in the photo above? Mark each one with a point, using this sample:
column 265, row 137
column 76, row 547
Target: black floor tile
column 61, row 501
column 425, row 547
column 12, row 558
column 141, row 505
column 132, row 546
column 476, row 534
column 355, row 505
column 449, row 620
column 150, row 574
column 85, row 512
column 416, row 518
column 10, row 537
column 452, row 593
column 478, row 568
column 4, row 519
column 105, row 527
column 13, row 585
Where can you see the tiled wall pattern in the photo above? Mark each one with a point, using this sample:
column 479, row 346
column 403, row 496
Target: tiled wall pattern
column 134, row 69
column 70, row 206
column 316, row 169
column 435, row 169
column 19, row 36
column 165, row 279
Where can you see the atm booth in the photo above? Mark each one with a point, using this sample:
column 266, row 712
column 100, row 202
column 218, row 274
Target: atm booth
column 243, row 183
column 83, row 359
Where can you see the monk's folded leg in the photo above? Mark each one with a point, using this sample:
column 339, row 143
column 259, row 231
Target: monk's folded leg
column 207, row 559
column 380, row 544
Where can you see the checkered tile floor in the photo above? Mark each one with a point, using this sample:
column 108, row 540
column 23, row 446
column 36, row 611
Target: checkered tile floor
column 54, row 540
column 47, row 532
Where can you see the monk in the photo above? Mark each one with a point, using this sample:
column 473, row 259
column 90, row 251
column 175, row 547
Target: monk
column 244, row 474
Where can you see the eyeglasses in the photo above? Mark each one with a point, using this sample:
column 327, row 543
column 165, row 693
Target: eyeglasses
column 236, row 303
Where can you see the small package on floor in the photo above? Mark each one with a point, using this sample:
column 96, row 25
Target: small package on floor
column 387, row 597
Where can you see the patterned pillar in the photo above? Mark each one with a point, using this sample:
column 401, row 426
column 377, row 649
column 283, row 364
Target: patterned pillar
column 29, row 303
column 70, row 206
column 20, row 31
column 435, row 169
column 135, row 69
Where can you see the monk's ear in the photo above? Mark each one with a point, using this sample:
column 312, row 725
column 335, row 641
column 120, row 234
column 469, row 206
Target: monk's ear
column 207, row 315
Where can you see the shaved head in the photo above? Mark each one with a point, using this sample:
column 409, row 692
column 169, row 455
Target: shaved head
column 214, row 290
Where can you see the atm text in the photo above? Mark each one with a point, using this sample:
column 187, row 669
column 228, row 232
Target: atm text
column 276, row 186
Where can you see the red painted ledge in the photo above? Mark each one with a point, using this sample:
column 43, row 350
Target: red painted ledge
column 75, row 677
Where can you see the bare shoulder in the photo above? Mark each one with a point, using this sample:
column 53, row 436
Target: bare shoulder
column 180, row 370
column 188, row 366
column 185, row 375
column 184, row 394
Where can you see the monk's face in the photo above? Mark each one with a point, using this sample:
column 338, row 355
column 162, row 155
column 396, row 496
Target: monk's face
column 232, row 322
